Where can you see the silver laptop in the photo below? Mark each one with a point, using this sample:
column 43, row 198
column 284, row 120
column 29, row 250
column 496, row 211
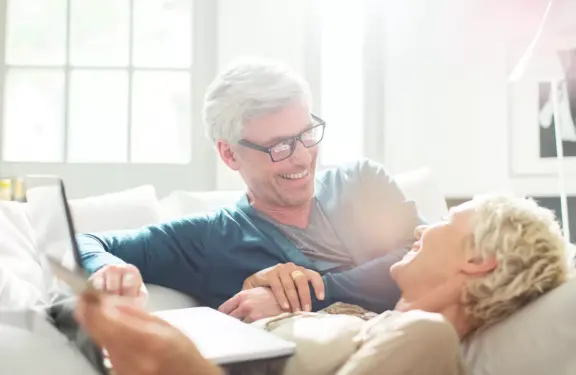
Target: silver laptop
column 225, row 340
column 219, row 337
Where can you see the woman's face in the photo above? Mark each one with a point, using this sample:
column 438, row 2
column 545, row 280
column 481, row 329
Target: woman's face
column 438, row 255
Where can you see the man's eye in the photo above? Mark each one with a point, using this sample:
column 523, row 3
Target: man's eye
column 282, row 146
column 310, row 134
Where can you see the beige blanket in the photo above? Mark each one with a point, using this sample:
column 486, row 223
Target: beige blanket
column 347, row 340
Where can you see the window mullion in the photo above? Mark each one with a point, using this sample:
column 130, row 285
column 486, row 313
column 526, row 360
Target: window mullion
column 130, row 80
column 3, row 20
column 374, row 63
column 202, row 71
column 99, row 67
column 67, row 68
column 204, row 68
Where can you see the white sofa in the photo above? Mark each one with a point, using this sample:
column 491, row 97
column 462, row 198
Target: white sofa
column 537, row 341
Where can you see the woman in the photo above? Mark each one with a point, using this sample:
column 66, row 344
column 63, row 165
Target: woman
column 489, row 258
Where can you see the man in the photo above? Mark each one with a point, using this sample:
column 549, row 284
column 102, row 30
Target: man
column 491, row 257
column 292, row 228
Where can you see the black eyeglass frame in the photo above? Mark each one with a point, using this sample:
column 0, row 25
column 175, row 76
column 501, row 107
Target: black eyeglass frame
column 293, row 140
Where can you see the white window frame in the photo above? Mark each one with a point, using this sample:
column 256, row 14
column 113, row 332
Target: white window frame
column 84, row 179
column 373, row 67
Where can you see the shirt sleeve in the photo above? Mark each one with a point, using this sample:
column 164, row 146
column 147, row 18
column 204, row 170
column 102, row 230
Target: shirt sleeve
column 368, row 285
column 171, row 254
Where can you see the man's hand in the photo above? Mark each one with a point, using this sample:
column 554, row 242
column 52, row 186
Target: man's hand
column 290, row 284
column 138, row 343
column 124, row 280
column 252, row 305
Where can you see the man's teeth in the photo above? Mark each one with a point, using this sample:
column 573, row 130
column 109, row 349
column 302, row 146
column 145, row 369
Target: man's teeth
column 295, row 176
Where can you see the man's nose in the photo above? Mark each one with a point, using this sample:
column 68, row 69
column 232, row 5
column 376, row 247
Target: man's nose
column 301, row 155
column 418, row 231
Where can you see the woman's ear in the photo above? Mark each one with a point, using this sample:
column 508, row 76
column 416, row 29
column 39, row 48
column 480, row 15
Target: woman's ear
column 477, row 266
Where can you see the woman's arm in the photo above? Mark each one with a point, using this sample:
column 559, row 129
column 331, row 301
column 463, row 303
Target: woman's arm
column 139, row 343
column 410, row 343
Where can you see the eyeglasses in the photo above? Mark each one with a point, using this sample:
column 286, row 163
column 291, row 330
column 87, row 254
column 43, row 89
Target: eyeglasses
column 285, row 148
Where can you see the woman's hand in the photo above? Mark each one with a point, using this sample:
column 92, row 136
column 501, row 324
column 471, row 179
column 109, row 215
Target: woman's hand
column 290, row 284
column 138, row 343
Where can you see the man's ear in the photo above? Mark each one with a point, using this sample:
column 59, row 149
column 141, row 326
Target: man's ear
column 227, row 155
column 477, row 266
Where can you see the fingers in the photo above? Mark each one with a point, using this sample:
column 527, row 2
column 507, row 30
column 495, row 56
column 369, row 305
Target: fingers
column 230, row 305
column 279, row 293
column 237, row 314
column 130, row 282
column 291, row 293
column 113, row 281
column 90, row 312
column 131, row 311
column 112, row 320
column 98, row 281
column 247, row 285
column 301, row 282
column 290, row 290
column 123, row 280
column 137, row 342
column 248, row 311
column 123, row 330
column 317, row 283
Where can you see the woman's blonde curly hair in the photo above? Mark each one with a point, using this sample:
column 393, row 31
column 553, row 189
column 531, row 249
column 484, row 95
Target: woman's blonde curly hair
column 529, row 248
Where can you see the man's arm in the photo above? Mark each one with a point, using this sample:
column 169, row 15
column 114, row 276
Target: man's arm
column 368, row 285
column 170, row 254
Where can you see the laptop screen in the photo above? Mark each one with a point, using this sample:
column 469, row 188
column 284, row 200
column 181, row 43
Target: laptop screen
column 51, row 221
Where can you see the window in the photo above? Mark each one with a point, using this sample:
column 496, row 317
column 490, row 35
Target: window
column 81, row 74
column 342, row 80
column 105, row 84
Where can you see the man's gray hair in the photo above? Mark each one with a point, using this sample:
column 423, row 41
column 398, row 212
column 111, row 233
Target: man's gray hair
column 248, row 89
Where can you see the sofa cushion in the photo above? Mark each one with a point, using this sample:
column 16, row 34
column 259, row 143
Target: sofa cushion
column 161, row 298
column 539, row 339
column 185, row 203
column 124, row 210
column 17, row 292
column 128, row 209
column 17, row 234
column 40, row 350
column 22, row 282
column 419, row 186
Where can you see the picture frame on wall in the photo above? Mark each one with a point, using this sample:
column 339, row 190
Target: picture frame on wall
column 531, row 108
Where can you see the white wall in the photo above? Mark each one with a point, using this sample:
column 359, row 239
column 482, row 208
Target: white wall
column 446, row 76
column 268, row 28
column 446, row 96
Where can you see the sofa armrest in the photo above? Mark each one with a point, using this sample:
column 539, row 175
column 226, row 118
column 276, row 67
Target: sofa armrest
column 162, row 298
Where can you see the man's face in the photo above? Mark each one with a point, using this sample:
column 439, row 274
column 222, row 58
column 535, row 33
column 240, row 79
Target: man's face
column 438, row 256
column 285, row 183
